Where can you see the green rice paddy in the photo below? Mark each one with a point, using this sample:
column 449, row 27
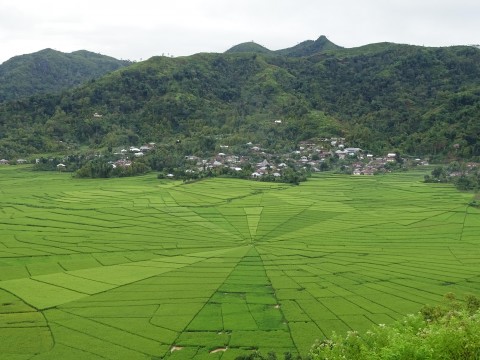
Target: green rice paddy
column 137, row 268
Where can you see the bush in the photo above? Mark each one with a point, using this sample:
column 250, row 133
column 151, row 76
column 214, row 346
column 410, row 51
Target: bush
column 448, row 331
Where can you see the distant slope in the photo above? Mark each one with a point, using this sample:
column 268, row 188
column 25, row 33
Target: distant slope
column 305, row 48
column 50, row 71
column 309, row 47
column 248, row 47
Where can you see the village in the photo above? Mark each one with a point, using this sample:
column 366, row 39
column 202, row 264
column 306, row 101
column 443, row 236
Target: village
column 259, row 163
column 309, row 157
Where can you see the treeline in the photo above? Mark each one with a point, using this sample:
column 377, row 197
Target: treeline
column 82, row 166
column 464, row 176
column 99, row 168
column 289, row 176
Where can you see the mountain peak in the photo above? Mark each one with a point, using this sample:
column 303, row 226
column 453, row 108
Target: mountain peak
column 309, row 47
column 251, row 47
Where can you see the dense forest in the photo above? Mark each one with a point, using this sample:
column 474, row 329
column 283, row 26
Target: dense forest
column 382, row 97
column 51, row 71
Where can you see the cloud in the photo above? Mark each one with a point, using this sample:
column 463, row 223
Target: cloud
column 143, row 28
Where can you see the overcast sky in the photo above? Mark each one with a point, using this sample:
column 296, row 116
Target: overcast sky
column 139, row 29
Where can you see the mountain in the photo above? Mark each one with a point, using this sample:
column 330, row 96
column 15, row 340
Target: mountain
column 251, row 47
column 381, row 97
column 305, row 48
column 310, row 47
column 50, row 71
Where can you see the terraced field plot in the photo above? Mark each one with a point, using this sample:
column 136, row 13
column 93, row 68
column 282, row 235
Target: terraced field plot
column 141, row 269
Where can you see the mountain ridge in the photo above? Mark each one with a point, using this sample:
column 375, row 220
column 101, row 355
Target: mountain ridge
column 50, row 71
column 305, row 48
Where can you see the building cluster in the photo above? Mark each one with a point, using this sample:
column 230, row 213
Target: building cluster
column 312, row 156
column 309, row 155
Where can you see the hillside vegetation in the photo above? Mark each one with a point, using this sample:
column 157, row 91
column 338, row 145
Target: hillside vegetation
column 381, row 97
column 50, row 71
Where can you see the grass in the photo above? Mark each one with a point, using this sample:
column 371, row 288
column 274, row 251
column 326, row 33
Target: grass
column 131, row 268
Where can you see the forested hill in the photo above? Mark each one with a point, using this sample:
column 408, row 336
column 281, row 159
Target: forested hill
column 305, row 48
column 382, row 97
column 49, row 71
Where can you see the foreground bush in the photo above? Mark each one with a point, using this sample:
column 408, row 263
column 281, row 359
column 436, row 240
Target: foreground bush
column 449, row 331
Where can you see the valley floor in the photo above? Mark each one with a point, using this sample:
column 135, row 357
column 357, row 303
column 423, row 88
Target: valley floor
column 138, row 268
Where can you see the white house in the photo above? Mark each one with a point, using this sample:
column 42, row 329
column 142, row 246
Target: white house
column 352, row 150
column 341, row 154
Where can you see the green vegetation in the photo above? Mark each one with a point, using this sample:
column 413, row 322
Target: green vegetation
column 383, row 97
column 440, row 332
column 142, row 268
column 50, row 71
column 465, row 177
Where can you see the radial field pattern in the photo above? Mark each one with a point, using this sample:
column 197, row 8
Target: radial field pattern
column 140, row 268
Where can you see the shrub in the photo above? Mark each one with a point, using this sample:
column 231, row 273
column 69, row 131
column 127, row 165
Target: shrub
column 447, row 331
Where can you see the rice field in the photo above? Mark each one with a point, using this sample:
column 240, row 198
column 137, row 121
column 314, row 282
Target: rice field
column 139, row 268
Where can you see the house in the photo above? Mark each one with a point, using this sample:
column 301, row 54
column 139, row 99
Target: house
column 391, row 157
column 264, row 163
column 341, row 154
column 278, row 121
column 4, row 162
column 139, row 154
column 144, row 148
column 256, row 175
column 61, row 167
column 353, row 151
column 21, row 161
column 122, row 163
column 97, row 115
column 232, row 159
